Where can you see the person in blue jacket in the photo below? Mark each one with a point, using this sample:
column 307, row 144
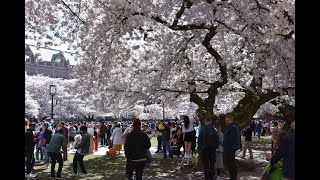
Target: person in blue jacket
column 231, row 143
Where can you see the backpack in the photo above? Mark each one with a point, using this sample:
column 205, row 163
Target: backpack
column 210, row 139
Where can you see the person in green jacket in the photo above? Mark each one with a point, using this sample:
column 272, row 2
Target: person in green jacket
column 82, row 150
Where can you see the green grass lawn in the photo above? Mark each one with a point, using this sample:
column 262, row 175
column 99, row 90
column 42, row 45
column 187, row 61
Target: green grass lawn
column 99, row 167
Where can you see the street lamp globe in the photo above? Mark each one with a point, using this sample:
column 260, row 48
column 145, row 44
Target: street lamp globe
column 52, row 90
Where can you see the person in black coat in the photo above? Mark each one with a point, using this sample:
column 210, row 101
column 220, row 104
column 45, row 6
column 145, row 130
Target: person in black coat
column 29, row 143
column 135, row 147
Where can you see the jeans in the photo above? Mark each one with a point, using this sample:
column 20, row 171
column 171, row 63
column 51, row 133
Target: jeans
column 46, row 156
column 259, row 133
column 208, row 158
column 39, row 150
column 30, row 161
column 65, row 153
column 78, row 158
column 159, row 138
column 166, row 146
column 135, row 166
column 229, row 156
column 56, row 157
column 247, row 145
column 103, row 139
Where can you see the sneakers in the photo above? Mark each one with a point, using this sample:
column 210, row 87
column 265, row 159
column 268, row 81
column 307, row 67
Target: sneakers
column 74, row 175
column 30, row 175
column 218, row 178
column 37, row 161
column 46, row 166
column 84, row 175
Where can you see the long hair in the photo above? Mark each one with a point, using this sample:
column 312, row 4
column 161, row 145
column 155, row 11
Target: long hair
column 186, row 121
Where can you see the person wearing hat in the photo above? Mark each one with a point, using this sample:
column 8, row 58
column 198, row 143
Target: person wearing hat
column 135, row 147
column 57, row 142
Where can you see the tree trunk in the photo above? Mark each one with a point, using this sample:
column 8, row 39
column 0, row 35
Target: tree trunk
column 249, row 105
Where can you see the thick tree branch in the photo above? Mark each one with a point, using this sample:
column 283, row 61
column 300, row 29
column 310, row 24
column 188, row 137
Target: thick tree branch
column 73, row 12
column 177, row 27
column 287, row 36
column 215, row 54
column 260, row 7
column 179, row 14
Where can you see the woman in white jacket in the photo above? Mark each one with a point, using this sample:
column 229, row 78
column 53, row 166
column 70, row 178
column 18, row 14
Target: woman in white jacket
column 117, row 138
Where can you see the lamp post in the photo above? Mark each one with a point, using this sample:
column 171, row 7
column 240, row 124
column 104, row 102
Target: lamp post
column 52, row 93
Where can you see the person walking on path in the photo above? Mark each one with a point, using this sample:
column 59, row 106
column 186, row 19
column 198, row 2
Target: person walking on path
column 57, row 142
column 248, row 142
column 208, row 142
column 103, row 134
column 231, row 143
column 137, row 142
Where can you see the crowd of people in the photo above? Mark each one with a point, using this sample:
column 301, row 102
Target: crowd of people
column 50, row 143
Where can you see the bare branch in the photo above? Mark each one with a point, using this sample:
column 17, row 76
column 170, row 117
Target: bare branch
column 179, row 14
column 72, row 12
column 177, row 27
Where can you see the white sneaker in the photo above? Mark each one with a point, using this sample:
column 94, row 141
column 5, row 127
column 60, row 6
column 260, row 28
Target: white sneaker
column 30, row 175
column 84, row 175
column 37, row 161
column 73, row 175
column 218, row 178
column 46, row 166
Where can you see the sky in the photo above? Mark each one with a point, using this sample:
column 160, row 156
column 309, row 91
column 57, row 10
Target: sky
column 46, row 54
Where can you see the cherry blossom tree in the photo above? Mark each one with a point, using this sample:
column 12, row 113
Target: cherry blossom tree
column 226, row 56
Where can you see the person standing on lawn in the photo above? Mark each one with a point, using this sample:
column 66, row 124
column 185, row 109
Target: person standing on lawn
column 57, row 142
column 135, row 147
column 82, row 150
column 29, row 143
column 231, row 143
column 208, row 142
column 248, row 144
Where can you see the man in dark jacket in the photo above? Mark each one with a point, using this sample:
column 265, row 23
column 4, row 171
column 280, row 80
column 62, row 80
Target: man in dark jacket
column 65, row 134
column 248, row 138
column 103, row 133
column 137, row 142
column 29, row 143
column 286, row 150
column 208, row 142
column 231, row 143
column 57, row 142
column 253, row 127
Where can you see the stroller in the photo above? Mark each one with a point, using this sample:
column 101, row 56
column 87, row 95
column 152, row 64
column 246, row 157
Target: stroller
column 175, row 145
column 276, row 174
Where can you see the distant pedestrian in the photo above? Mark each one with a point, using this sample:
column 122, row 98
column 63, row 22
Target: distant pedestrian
column 248, row 142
